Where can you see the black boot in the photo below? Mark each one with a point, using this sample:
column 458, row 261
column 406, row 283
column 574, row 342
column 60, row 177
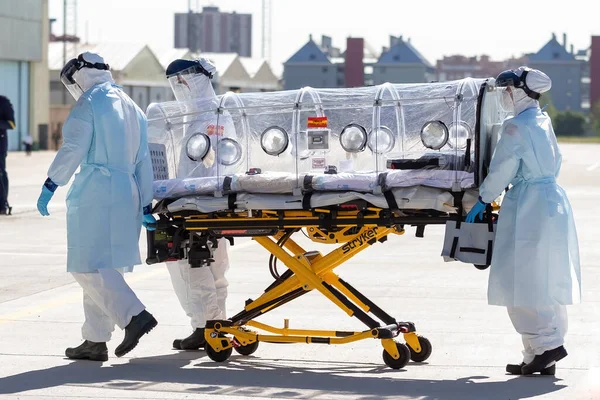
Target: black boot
column 141, row 324
column 193, row 342
column 515, row 369
column 540, row 362
column 88, row 351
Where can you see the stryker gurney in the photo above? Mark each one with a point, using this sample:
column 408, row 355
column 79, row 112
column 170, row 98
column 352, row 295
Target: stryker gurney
column 347, row 166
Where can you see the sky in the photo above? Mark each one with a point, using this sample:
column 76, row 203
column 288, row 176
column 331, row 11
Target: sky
column 436, row 28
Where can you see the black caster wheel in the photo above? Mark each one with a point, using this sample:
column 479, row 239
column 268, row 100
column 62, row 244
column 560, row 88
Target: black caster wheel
column 425, row 350
column 220, row 356
column 247, row 349
column 481, row 267
column 400, row 362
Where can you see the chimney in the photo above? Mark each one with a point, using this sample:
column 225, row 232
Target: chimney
column 310, row 36
column 572, row 50
column 565, row 40
column 553, row 35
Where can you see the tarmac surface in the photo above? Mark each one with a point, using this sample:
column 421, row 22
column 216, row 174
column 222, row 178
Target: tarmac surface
column 41, row 314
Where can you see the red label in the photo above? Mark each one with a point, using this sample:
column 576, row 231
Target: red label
column 210, row 130
column 317, row 122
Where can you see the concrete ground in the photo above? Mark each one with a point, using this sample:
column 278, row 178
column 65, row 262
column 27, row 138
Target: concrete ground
column 41, row 315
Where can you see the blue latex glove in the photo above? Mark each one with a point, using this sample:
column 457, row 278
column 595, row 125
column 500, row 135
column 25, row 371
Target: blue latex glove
column 47, row 193
column 148, row 221
column 477, row 210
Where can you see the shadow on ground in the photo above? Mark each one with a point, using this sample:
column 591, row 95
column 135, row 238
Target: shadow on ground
column 249, row 376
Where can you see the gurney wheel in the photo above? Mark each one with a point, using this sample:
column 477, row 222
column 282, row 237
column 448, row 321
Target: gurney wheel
column 481, row 267
column 425, row 350
column 220, row 356
column 247, row 349
column 401, row 361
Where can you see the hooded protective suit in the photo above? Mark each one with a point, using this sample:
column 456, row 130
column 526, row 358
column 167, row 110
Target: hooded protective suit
column 202, row 291
column 535, row 267
column 104, row 135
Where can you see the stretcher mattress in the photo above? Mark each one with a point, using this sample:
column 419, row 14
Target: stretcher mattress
column 413, row 198
column 284, row 183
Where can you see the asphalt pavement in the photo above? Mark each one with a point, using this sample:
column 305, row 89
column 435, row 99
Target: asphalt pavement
column 41, row 314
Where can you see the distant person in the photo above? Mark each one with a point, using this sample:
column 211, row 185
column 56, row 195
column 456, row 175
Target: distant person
column 105, row 136
column 535, row 268
column 28, row 143
column 7, row 121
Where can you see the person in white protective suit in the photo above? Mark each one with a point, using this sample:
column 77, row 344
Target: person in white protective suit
column 104, row 135
column 201, row 291
column 535, row 269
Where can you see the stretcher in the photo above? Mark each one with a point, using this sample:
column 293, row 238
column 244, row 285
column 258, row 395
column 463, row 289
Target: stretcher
column 346, row 167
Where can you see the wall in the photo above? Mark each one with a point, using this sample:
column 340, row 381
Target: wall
column 404, row 73
column 566, row 83
column 15, row 86
column 39, row 94
column 296, row 76
column 21, row 29
column 354, row 75
column 595, row 71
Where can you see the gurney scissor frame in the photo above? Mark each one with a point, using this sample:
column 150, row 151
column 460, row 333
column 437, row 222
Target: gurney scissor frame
column 352, row 227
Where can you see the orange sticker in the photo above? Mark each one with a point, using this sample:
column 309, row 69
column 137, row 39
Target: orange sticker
column 317, row 122
column 210, row 130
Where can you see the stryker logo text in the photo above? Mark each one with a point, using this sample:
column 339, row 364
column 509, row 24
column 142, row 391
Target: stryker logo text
column 359, row 241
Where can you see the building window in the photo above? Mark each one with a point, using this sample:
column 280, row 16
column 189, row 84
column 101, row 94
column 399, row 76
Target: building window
column 340, row 69
column 325, row 69
column 382, row 70
column 396, row 58
column 555, row 56
column 341, row 82
column 312, row 57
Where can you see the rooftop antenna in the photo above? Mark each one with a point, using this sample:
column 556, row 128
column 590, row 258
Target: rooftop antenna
column 266, row 30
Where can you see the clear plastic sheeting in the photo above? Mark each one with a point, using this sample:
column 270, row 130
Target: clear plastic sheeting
column 439, row 135
column 414, row 198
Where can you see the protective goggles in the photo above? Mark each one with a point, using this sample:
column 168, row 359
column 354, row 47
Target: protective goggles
column 510, row 78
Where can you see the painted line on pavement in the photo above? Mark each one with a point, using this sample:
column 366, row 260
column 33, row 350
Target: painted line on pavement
column 137, row 277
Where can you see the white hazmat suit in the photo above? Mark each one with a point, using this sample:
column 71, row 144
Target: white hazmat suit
column 535, row 269
column 202, row 292
column 104, row 135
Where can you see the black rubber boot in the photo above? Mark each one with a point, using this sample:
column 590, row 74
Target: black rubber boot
column 515, row 369
column 540, row 362
column 195, row 341
column 141, row 324
column 88, row 351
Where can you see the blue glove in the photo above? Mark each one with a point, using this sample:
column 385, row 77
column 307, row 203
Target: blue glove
column 477, row 210
column 148, row 221
column 47, row 193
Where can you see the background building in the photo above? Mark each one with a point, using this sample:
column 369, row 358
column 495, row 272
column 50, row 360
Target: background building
column 213, row 31
column 565, row 70
column 325, row 66
column 23, row 67
column 402, row 63
column 594, row 69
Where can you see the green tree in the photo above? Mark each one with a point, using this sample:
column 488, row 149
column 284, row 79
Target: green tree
column 595, row 117
column 552, row 112
column 569, row 123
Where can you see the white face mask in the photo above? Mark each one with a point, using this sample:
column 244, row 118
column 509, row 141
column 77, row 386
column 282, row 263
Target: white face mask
column 507, row 101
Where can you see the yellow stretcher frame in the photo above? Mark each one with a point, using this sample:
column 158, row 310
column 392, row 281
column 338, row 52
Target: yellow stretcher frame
column 354, row 231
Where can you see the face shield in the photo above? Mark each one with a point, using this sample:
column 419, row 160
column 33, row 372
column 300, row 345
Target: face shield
column 68, row 72
column 66, row 77
column 190, row 83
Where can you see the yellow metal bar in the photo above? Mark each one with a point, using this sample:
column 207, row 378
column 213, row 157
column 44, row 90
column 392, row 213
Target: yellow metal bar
column 390, row 346
column 334, row 280
column 303, row 337
column 301, row 271
column 325, row 264
column 294, row 247
column 412, row 340
column 288, row 332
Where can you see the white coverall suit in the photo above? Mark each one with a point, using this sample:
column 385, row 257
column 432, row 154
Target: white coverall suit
column 105, row 134
column 535, row 268
column 202, row 292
